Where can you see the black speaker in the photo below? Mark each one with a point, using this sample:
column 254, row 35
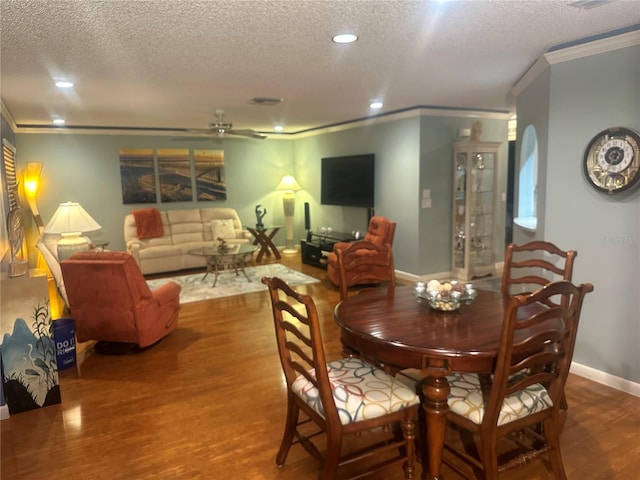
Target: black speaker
column 370, row 213
column 307, row 218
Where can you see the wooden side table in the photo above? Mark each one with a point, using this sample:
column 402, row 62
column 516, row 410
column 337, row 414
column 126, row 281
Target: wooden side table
column 264, row 238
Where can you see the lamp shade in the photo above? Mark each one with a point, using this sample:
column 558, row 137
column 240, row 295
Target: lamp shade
column 288, row 183
column 31, row 178
column 71, row 217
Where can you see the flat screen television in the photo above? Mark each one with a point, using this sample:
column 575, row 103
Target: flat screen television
column 348, row 181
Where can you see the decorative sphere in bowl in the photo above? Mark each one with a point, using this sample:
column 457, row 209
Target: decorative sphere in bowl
column 443, row 304
column 445, row 296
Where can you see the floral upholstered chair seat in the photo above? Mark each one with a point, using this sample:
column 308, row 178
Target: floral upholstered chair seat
column 360, row 391
column 467, row 399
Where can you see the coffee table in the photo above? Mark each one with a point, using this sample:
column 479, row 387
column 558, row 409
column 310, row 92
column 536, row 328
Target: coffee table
column 233, row 258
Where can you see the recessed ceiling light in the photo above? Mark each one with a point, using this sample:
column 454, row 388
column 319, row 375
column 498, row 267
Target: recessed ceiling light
column 278, row 128
column 375, row 105
column 345, row 38
column 64, row 84
column 59, row 121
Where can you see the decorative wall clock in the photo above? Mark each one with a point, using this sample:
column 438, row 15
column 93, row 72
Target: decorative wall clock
column 612, row 160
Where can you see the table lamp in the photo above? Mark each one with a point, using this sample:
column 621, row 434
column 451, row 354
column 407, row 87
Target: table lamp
column 290, row 186
column 70, row 221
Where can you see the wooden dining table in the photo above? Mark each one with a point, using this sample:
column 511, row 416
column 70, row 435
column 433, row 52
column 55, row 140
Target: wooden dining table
column 398, row 330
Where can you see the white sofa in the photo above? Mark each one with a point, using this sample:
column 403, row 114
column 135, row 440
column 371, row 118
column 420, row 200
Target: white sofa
column 184, row 230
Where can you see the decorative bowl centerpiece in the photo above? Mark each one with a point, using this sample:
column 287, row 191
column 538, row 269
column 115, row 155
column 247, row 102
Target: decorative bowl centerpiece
column 445, row 296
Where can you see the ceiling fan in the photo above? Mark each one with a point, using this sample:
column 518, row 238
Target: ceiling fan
column 222, row 128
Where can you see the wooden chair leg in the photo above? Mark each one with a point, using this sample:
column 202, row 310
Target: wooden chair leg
column 489, row 457
column 332, row 457
column 291, row 423
column 409, row 433
column 552, row 436
column 563, row 412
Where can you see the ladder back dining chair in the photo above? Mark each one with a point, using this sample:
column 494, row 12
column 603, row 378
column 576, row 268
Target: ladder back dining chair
column 525, row 389
column 535, row 264
column 341, row 398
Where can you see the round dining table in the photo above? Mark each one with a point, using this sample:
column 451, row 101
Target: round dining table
column 399, row 330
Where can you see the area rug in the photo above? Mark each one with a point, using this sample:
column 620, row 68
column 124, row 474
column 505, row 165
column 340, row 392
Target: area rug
column 195, row 289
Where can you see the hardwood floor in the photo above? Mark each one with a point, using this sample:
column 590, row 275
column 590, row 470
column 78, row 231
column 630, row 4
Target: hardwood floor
column 208, row 402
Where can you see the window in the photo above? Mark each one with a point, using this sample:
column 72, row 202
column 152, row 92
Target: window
column 11, row 178
column 528, row 181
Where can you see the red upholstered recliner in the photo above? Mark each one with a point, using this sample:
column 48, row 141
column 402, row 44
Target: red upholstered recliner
column 111, row 301
column 380, row 232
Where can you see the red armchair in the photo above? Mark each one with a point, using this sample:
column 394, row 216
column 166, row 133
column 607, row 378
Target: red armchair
column 111, row 301
column 380, row 232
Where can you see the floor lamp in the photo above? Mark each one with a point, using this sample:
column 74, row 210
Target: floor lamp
column 289, row 186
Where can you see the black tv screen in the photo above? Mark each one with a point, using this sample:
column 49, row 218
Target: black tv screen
column 348, row 181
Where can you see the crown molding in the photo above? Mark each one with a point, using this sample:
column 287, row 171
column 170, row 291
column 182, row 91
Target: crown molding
column 575, row 52
column 412, row 112
column 608, row 44
column 537, row 69
column 6, row 113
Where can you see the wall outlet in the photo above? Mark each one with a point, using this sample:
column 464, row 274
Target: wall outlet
column 426, row 203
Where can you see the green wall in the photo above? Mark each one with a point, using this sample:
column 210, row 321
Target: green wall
column 412, row 153
column 85, row 168
column 568, row 106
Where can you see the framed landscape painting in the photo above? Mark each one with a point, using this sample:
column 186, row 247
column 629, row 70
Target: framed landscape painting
column 209, row 173
column 174, row 170
column 137, row 175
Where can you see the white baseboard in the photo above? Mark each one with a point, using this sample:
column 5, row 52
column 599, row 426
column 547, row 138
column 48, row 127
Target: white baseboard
column 4, row 412
column 439, row 275
column 413, row 278
column 607, row 379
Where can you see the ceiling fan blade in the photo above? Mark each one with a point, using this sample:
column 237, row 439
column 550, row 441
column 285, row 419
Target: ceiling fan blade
column 248, row 133
column 200, row 138
column 221, row 128
column 203, row 131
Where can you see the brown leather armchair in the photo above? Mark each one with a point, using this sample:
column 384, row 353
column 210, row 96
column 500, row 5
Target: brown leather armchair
column 111, row 301
column 381, row 231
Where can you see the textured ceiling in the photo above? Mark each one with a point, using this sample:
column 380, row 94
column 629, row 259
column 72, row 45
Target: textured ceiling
column 171, row 63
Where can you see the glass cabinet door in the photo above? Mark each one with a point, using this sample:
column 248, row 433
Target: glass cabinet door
column 473, row 209
column 459, row 210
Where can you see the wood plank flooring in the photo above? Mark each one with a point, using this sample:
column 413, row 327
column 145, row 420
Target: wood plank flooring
column 208, row 402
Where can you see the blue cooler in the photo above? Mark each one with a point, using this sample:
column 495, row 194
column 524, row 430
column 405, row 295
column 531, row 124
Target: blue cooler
column 64, row 336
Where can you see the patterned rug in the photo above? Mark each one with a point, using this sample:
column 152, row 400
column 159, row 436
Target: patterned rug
column 195, row 289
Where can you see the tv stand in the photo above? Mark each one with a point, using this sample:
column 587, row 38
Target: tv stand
column 316, row 248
